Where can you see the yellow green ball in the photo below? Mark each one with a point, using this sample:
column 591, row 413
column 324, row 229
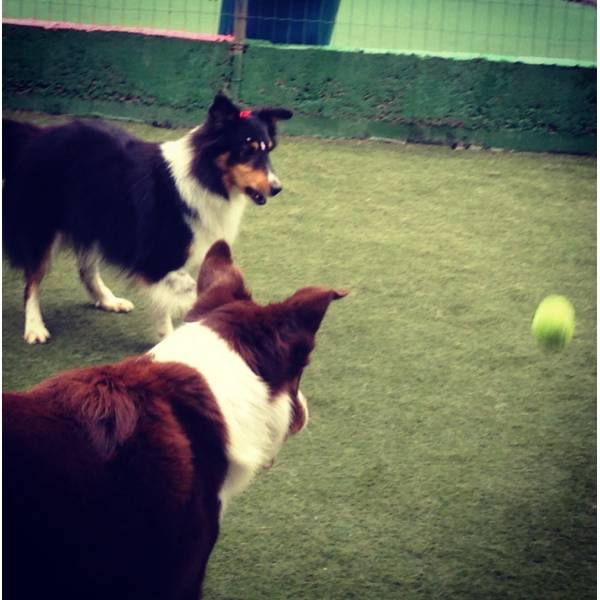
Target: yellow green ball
column 554, row 322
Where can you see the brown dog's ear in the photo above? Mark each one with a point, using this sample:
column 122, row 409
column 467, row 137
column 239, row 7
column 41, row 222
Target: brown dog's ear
column 217, row 262
column 219, row 281
column 222, row 111
column 309, row 305
column 301, row 317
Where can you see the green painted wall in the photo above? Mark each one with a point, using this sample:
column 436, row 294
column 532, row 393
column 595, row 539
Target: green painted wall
column 140, row 77
column 508, row 105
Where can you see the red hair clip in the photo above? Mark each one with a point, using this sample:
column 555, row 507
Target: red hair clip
column 244, row 114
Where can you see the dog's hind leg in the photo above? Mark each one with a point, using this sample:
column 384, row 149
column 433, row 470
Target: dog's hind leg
column 99, row 292
column 35, row 329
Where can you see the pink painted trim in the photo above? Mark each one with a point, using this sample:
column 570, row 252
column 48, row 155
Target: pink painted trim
column 186, row 35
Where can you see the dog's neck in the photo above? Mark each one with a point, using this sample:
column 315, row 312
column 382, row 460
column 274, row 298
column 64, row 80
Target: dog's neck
column 257, row 423
column 211, row 216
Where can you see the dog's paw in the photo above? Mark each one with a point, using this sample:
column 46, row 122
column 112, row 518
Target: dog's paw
column 118, row 305
column 37, row 335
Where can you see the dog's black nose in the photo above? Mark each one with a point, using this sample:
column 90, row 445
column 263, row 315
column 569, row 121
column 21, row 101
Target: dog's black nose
column 275, row 189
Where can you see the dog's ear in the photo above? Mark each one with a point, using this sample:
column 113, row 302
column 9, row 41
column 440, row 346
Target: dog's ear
column 270, row 116
column 219, row 282
column 301, row 318
column 309, row 305
column 216, row 263
column 222, row 111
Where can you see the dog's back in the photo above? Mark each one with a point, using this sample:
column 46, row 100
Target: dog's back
column 52, row 183
column 104, row 494
column 101, row 187
column 16, row 136
column 26, row 230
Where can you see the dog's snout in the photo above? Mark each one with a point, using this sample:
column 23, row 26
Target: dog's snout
column 274, row 184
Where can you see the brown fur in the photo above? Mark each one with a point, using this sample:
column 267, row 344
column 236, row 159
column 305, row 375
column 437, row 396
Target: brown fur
column 244, row 175
column 275, row 340
column 111, row 476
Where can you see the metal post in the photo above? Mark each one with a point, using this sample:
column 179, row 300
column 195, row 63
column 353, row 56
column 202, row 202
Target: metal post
column 239, row 46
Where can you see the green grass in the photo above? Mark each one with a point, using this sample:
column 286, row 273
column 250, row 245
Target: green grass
column 447, row 455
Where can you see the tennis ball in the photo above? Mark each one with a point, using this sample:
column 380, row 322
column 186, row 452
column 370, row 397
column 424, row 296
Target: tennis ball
column 554, row 322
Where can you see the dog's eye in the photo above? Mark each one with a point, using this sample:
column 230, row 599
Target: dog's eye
column 254, row 146
column 251, row 146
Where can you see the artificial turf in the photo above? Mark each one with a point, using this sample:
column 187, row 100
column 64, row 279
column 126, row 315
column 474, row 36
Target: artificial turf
column 447, row 456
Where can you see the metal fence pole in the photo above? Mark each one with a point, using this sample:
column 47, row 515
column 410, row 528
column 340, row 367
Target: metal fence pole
column 239, row 46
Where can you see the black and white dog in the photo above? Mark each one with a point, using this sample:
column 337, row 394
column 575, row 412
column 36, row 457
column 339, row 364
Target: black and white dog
column 149, row 209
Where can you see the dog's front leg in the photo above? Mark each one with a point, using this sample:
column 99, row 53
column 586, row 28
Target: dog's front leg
column 173, row 294
column 101, row 295
column 163, row 323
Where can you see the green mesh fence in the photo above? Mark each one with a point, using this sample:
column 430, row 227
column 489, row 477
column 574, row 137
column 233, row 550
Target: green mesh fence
column 198, row 16
column 542, row 29
column 562, row 31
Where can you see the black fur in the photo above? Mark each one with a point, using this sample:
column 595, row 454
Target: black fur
column 16, row 136
column 98, row 185
column 225, row 131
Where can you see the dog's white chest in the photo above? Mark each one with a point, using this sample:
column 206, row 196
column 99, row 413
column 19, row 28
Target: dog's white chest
column 256, row 423
column 218, row 219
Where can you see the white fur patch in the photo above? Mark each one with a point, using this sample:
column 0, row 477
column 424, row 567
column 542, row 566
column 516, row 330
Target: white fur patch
column 100, row 293
column 175, row 291
column 174, row 294
column 35, row 330
column 219, row 218
column 304, row 405
column 256, row 424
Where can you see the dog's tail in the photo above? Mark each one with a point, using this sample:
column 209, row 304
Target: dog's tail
column 15, row 139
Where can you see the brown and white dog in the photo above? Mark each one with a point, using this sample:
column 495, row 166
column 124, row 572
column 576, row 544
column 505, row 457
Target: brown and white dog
column 116, row 477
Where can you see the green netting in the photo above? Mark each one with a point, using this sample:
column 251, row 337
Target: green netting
column 542, row 29
column 198, row 16
column 562, row 31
